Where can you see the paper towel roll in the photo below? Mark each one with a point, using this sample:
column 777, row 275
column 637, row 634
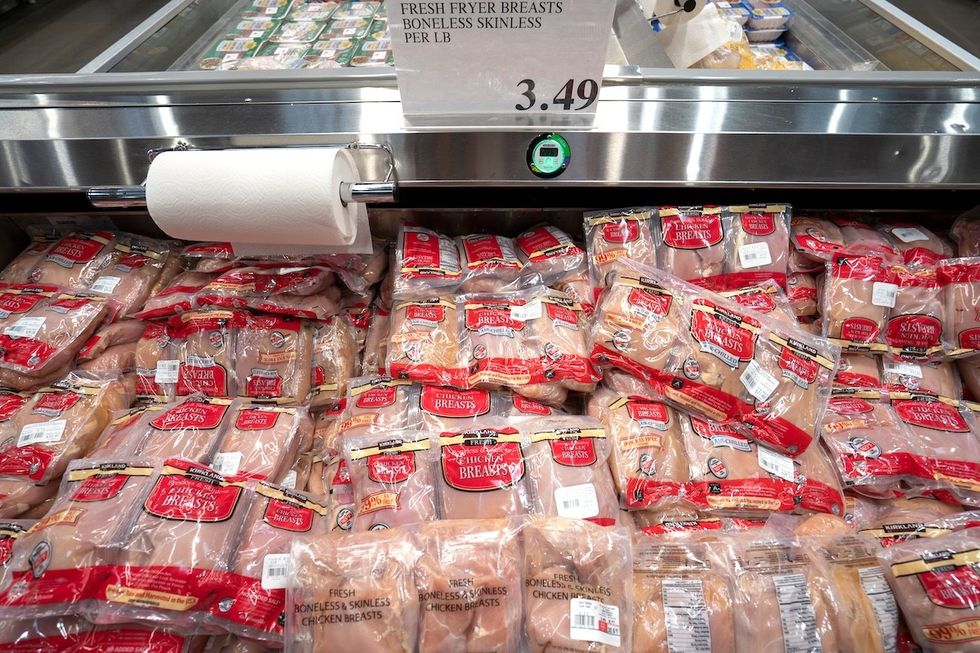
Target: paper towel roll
column 266, row 197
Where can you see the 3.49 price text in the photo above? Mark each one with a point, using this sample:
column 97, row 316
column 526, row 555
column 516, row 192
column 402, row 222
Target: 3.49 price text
column 586, row 92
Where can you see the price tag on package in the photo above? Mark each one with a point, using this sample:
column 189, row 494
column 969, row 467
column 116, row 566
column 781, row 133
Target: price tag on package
column 542, row 59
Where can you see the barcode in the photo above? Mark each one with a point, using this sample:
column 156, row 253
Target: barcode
column 574, row 503
column 25, row 327
column 276, row 572
column 584, row 621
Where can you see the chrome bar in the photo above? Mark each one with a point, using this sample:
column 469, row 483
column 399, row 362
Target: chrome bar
column 127, row 197
column 384, row 192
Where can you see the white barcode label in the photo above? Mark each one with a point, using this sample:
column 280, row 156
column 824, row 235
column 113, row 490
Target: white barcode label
column 350, row 31
column 884, row 294
column 529, row 311
column 882, row 603
column 234, row 56
column 909, row 234
column 577, row 501
column 200, row 361
column 754, row 255
column 760, row 383
column 25, row 327
column 796, row 614
column 379, row 56
column 167, row 371
column 776, row 463
column 904, row 369
column 105, row 285
column 227, row 463
column 275, row 571
column 271, row 10
column 289, row 481
column 43, row 432
column 686, row 616
column 592, row 621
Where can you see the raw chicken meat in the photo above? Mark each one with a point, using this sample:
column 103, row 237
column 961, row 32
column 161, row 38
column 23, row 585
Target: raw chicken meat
column 125, row 332
column 961, row 281
column 45, row 635
column 251, row 599
column 682, row 597
column 783, row 599
column 496, row 328
column 490, row 263
column 353, row 593
column 937, row 585
column 611, row 235
column 856, row 233
column 262, row 441
column 858, row 371
column 559, row 338
column 274, row 358
column 120, row 358
column 969, row 369
column 376, row 342
column 802, row 290
column 568, row 472
column 157, row 363
column 579, row 288
column 178, row 297
column 916, row 244
column 936, row 379
column 19, row 270
column 550, row 253
column 425, row 260
column 965, row 231
column 58, row 565
column 910, row 519
column 75, row 260
column 392, row 478
column 859, row 292
column 815, row 238
column 468, row 581
column 379, row 404
column 424, row 342
column 18, row 497
column 184, row 533
column 206, row 350
column 577, row 587
column 693, row 241
column 648, row 461
column 483, row 472
column 765, row 297
column 334, row 361
column 132, row 269
column 914, row 331
column 59, row 425
column 760, row 245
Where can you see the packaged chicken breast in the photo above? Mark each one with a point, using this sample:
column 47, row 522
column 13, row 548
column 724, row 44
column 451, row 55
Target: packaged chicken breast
column 179, row 296
column 568, row 471
column 181, row 540
column 448, row 409
column 424, row 343
column 765, row 297
column 45, row 339
column 551, row 254
column 126, row 332
column 274, row 358
column 784, row 600
column 57, row 425
column 379, row 404
column 19, row 269
column 425, row 260
column 559, row 338
column 936, row 378
column 353, row 593
column 969, row 371
column 682, row 595
column 579, row 287
column 965, row 231
column 250, row 600
column 302, row 292
column 870, row 445
column 261, row 441
column 960, row 279
column 133, row 267
column 496, row 332
column 337, row 481
column 392, row 475
column 489, row 262
column 612, row 235
column 858, row 371
column 157, row 363
column 648, row 460
column 483, row 472
column 914, row 331
column 916, row 244
column 937, row 585
column 732, row 475
column 44, row 635
column 334, row 362
column 19, row 498
column 75, row 260
column 376, row 341
column 864, row 236
column 206, row 349
column 815, row 238
column 10, row 531
column 577, row 587
column 802, row 291
column 691, row 241
column 860, row 291
column 61, row 562
column 760, row 245
column 902, row 520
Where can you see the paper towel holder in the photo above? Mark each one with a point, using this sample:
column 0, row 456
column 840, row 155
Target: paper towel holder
column 376, row 192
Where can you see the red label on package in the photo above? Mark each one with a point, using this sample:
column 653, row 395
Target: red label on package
column 481, row 463
column 376, row 398
column 190, row 415
column 916, row 331
column 342, row 476
column 100, row 487
column 543, row 243
column 256, row 419
column 422, row 250
column 758, row 300
column 798, row 369
column 287, row 516
column 931, row 415
column 74, row 249
column 486, row 250
column 427, row 314
column 758, row 224
column 956, row 588
column 495, row 320
column 850, row 406
column 15, row 304
column 9, row 405
column 859, row 329
column 573, row 451
column 969, row 339
column 263, row 383
column 207, row 379
column 187, row 498
column 648, row 303
column 54, row 404
column 625, row 231
column 446, row 402
column 648, row 411
column 723, row 338
column 31, row 461
column 391, row 468
column 692, row 231
column 708, row 430
column 529, row 407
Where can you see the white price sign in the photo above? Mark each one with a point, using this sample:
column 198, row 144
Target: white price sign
column 541, row 58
